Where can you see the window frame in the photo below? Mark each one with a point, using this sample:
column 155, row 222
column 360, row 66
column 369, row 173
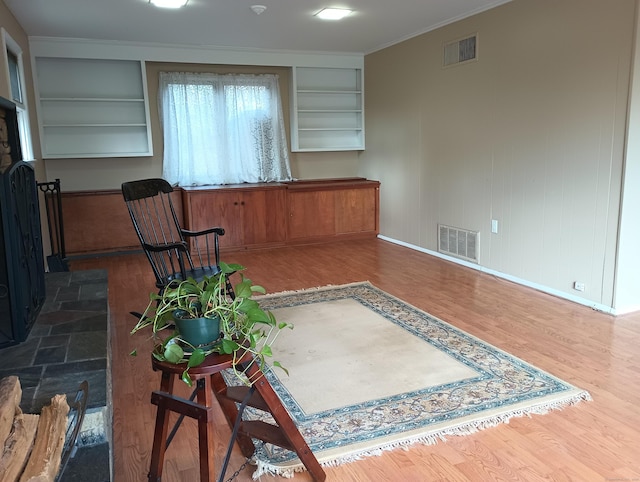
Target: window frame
column 9, row 45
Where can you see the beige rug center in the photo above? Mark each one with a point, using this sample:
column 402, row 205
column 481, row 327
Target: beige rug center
column 364, row 357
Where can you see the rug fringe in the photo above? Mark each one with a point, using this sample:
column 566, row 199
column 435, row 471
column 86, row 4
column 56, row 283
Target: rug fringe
column 315, row 288
column 466, row 428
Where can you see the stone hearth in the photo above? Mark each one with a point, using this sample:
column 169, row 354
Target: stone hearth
column 68, row 344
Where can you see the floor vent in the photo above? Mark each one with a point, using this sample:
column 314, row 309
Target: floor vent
column 460, row 51
column 460, row 243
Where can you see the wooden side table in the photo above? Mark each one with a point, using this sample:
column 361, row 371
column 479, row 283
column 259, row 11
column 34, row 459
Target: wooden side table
column 209, row 385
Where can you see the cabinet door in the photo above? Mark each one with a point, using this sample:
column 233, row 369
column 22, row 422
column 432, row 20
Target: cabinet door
column 264, row 217
column 311, row 214
column 356, row 210
column 249, row 217
column 217, row 208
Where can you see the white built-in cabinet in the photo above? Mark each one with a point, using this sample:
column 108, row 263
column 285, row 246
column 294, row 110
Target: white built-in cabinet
column 327, row 109
column 92, row 108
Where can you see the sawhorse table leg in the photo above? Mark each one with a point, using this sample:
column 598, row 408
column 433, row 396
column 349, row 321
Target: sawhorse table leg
column 284, row 434
column 202, row 411
column 210, row 384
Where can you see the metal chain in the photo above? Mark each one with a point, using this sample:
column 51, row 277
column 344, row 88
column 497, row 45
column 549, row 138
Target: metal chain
column 243, row 466
column 237, row 472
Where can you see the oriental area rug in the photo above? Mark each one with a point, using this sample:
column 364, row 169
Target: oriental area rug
column 369, row 372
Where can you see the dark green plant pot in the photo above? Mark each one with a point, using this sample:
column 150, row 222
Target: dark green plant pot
column 199, row 332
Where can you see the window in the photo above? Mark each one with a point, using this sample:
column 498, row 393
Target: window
column 14, row 77
column 16, row 85
column 222, row 129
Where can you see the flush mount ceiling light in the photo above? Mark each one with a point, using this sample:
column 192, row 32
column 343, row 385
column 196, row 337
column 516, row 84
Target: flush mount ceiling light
column 258, row 9
column 169, row 3
column 333, row 13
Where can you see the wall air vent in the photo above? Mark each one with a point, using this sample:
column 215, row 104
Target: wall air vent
column 460, row 243
column 460, row 51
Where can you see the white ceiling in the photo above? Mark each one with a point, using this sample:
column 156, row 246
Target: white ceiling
column 285, row 25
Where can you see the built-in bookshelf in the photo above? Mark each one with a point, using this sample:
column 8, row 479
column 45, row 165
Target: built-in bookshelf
column 327, row 109
column 92, row 108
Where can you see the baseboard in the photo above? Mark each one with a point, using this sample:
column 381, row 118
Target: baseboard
column 514, row 279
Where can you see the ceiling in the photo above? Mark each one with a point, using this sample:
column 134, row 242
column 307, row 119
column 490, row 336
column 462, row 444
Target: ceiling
column 285, row 25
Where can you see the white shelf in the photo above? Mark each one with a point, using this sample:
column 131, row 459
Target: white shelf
column 326, row 91
column 327, row 129
column 93, row 108
column 93, row 125
column 327, row 109
column 86, row 99
column 94, row 141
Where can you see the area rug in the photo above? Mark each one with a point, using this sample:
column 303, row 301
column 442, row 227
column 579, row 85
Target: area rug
column 369, row 372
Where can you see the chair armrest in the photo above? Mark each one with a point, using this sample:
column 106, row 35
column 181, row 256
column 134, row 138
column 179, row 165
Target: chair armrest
column 217, row 230
column 156, row 248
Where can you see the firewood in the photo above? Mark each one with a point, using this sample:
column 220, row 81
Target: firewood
column 18, row 447
column 10, row 396
column 44, row 461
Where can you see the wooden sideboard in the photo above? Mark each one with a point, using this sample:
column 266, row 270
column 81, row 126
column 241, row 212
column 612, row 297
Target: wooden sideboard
column 278, row 214
column 253, row 215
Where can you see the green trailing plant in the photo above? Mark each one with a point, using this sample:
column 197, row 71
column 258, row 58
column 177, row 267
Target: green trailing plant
column 245, row 328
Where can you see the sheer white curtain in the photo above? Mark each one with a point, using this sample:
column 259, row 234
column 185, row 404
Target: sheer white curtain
column 222, row 129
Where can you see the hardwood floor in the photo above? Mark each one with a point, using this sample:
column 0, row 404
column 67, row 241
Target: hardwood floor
column 592, row 441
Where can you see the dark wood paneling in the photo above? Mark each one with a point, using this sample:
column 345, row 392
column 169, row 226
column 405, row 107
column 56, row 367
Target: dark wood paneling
column 98, row 221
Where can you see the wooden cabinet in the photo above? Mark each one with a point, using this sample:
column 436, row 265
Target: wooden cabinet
column 275, row 214
column 338, row 208
column 251, row 216
column 297, row 212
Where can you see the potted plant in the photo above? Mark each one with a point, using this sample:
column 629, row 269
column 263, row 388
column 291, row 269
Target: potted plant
column 222, row 323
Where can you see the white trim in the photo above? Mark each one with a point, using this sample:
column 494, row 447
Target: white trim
column 529, row 284
column 448, row 21
column 156, row 52
column 5, row 40
column 24, row 119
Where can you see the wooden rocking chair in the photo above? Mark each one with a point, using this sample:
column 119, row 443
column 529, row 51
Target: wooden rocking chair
column 174, row 253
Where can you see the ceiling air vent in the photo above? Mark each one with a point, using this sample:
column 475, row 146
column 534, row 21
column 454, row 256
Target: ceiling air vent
column 459, row 51
column 460, row 243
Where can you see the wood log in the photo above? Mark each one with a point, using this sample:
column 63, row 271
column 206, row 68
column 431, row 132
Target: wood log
column 18, row 447
column 10, row 396
column 44, row 461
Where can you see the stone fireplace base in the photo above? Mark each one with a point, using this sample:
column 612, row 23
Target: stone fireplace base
column 68, row 344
